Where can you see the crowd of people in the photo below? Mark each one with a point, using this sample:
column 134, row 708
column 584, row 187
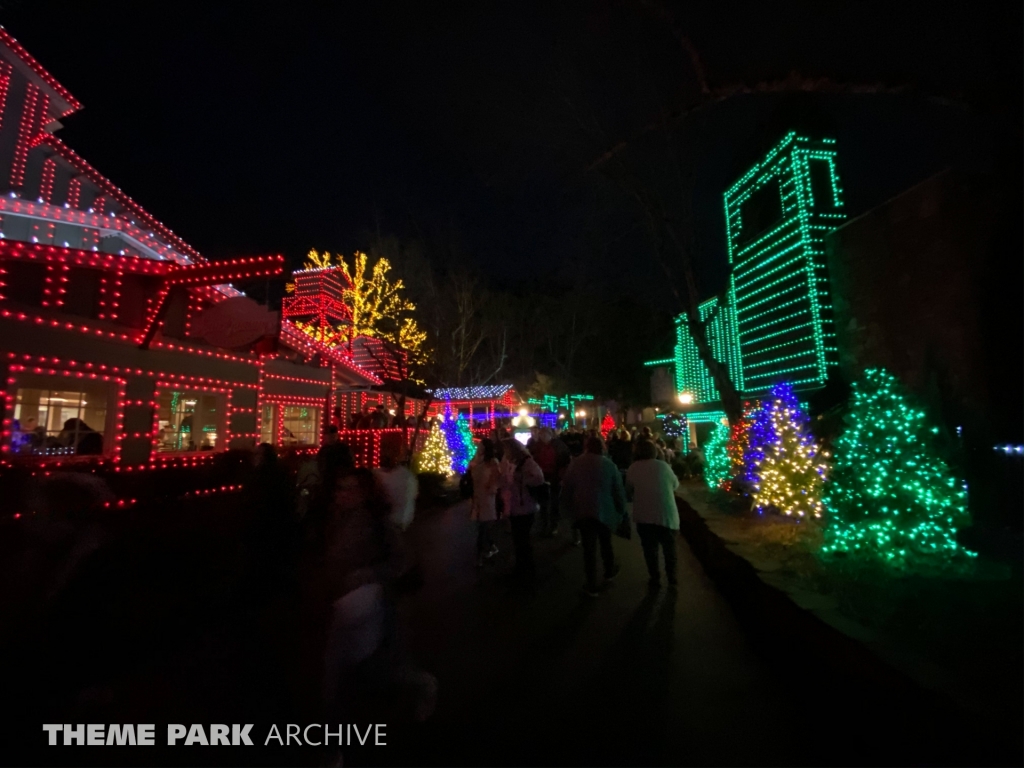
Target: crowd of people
column 581, row 478
column 349, row 524
column 75, row 437
column 332, row 538
column 374, row 416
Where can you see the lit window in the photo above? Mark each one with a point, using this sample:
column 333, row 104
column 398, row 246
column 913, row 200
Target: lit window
column 189, row 420
column 301, row 426
column 268, row 425
column 52, row 420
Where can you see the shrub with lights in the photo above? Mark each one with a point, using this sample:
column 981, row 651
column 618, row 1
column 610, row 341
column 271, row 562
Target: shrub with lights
column 716, row 458
column 787, row 466
column 736, row 448
column 459, row 438
column 891, row 497
column 435, row 458
column 674, row 425
column 607, row 425
column 465, row 447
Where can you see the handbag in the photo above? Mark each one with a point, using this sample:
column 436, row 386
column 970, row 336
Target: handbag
column 624, row 528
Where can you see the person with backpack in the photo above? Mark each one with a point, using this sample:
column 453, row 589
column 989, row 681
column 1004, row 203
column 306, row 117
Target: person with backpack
column 521, row 477
column 485, row 476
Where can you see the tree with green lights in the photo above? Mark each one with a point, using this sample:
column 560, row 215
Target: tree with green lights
column 465, row 435
column 890, row 496
column 717, row 464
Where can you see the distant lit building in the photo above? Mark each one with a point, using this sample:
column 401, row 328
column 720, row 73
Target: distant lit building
column 777, row 216
column 484, row 406
column 776, row 323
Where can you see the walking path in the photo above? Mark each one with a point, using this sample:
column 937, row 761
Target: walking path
column 562, row 678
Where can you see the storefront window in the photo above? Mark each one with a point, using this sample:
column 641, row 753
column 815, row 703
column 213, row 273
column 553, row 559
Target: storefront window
column 301, row 426
column 189, row 420
column 55, row 420
column 268, row 424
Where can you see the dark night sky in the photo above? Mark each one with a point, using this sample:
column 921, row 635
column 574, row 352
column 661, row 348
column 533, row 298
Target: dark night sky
column 307, row 127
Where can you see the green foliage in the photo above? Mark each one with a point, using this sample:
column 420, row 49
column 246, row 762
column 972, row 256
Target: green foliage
column 891, row 497
column 716, row 457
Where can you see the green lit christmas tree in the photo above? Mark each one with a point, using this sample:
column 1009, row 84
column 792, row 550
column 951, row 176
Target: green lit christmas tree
column 717, row 464
column 461, row 458
column 435, row 456
column 890, row 496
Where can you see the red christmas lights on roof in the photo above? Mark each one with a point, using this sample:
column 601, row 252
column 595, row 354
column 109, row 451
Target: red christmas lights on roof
column 17, row 48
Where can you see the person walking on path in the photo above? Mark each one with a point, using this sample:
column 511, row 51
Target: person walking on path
column 562, row 460
column 486, row 476
column 593, row 494
column 400, row 488
column 551, row 456
column 520, row 475
column 654, row 510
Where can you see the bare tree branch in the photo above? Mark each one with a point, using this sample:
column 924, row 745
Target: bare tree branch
column 794, row 83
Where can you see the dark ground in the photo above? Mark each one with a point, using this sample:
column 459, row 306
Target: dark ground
column 160, row 629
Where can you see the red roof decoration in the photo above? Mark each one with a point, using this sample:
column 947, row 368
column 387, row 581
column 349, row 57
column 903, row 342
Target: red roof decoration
column 73, row 103
column 319, row 297
column 116, row 192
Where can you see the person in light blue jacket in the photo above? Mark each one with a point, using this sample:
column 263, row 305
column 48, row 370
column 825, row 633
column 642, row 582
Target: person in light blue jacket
column 593, row 495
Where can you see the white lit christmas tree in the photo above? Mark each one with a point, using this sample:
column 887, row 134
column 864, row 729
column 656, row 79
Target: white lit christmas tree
column 435, row 456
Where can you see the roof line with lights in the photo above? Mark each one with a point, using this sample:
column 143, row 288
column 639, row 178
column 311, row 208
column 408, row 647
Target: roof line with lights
column 116, row 192
column 29, row 60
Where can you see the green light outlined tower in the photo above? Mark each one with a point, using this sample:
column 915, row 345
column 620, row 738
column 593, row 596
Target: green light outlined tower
column 691, row 374
column 777, row 216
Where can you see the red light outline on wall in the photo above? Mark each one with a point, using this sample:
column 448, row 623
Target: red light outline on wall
column 8, row 422
column 35, row 106
column 5, row 86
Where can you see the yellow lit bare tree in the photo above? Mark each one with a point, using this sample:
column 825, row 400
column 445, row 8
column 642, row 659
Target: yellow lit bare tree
column 378, row 305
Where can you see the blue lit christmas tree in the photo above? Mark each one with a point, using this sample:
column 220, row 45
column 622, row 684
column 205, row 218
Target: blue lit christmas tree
column 460, row 439
column 783, row 461
column 466, row 449
column 891, row 497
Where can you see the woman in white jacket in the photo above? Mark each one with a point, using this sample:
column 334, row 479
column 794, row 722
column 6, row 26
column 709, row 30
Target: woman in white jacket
column 520, row 473
column 654, row 510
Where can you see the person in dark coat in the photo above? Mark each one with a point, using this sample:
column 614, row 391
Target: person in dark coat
column 379, row 418
column 593, row 494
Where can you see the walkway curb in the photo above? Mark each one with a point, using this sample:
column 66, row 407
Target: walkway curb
column 784, row 631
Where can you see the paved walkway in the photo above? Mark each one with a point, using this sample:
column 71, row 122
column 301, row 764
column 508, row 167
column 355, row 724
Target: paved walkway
column 562, row 678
